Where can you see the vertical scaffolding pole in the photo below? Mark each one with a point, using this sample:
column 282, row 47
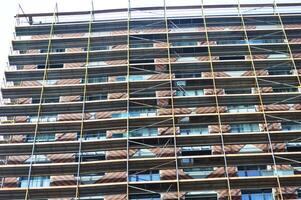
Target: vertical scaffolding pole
column 287, row 43
column 40, row 102
column 260, row 98
column 77, row 193
column 216, row 101
column 128, row 99
column 172, row 99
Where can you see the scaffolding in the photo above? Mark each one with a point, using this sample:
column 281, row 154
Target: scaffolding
column 123, row 91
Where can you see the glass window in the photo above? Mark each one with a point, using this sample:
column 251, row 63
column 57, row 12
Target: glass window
column 232, row 58
column 291, row 126
column 35, row 181
column 277, row 56
column 143, row 94
column 194, row 131
column 242, row 128
column 56, row 50
column 267, row 26
column 249, row 148
column 183, row 29
column 118, row 135
column 241, row 108
column 144, row 153
column 293, row 146
column 257, row 195
column 97, row 63
column 90, row 156
column 97, row 48
column 238, row 91
column 93, row 136
column 145, row 197
column 143, row 112
column 52, row 66
column 90, row 178
column 47, row 82
column 120, row 78
column 41, row 138
column 96, row 97
column 188, row 75
column 276, row 71
column 97, row 79
column 37, row 159
column 190, row 93
column 187, row 161
column 196, row 150
column 203, row 195
column 185, row 43
column 222, row 42
column 145, row 176
column 144, row 132
column 141, row 45
column 180, row 83
column 45, row 100
column 285, row 89
column 43, row 118
column 235, row 73
column 187, row 59
column 200, row 172
column 119, row 115
column 251, row 171
column 138, row 77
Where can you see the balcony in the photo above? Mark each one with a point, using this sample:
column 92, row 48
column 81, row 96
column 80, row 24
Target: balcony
column 244, row 128
column 145, row 176
column 34, row 182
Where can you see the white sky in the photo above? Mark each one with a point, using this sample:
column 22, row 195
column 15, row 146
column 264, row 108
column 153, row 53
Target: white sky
column 9, row 8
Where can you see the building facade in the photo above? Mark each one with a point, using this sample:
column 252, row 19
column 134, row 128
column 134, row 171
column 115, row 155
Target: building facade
column 148, row 103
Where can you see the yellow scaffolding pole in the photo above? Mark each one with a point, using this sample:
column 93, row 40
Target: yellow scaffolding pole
column 83, row 117
column 288, row 44
column 172, row 99
column 217, row 102
column 260, row 98
column 128, row 99
column 27, row 196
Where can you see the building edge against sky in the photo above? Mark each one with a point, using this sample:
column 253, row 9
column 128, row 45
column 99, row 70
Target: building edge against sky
column 163, row 102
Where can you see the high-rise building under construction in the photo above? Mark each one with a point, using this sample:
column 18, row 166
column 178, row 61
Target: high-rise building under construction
column 197, row 101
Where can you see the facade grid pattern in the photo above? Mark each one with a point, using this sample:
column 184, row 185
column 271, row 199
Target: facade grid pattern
column 163, row 102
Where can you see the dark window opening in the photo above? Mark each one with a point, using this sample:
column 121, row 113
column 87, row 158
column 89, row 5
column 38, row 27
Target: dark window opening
column 90, row 156
column 52, row 66
column 232, row 58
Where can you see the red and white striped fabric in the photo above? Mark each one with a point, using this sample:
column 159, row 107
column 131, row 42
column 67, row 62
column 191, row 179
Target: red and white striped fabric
column 159, row 77
column 61, row 158
column 62, row 180
column 119, row 47
column 160, row 44
column 117, row 96
column 116, row 62
column 10, row 182
column 66, row 136
column 216, row 74
column 115, row 197
column 113, row 177
column 211, row 91
column 270, row 127
column 110, row 133
column 73, row 65
column 217, row 128
column 210, row 109
column 168, row 130
column 68, row 81
column 69, row 98
column 177, row 111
